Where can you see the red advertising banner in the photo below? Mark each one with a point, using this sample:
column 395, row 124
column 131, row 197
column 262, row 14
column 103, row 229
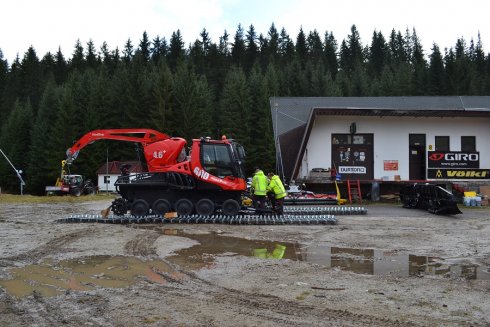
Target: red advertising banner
column 390, row 164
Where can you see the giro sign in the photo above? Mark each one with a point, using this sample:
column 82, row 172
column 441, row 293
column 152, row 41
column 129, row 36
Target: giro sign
column 452, row 159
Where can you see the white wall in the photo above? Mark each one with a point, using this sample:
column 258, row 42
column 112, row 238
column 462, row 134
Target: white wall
column 109, row 187
column 391, row 139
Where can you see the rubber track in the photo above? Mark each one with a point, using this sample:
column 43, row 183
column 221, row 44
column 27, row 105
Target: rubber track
column 292, row 216
column 214, row 219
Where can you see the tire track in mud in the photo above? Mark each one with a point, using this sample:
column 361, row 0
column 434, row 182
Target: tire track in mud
column 194, row 294
column 50, row 247
column 142, row 244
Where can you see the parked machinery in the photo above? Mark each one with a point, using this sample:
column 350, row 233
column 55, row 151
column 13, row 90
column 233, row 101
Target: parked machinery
column 210, row 176
column 71, row 184
column 430, row 197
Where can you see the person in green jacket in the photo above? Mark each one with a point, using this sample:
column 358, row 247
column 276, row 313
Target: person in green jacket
column 278, row 193
column 259, row 189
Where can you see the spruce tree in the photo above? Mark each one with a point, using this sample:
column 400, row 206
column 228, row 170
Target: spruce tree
column 159, row 49
column 436, row 73
column 235, row 102
column 286, row 48
column 91, row 55
column 162, row 92
column 30, row 78
column 176, row 50
column 251, row 49
column 128, row 52
column 77, row 61
column 192, row 99
column 238, row 47
column 144, row 47
column 301, row 48
column 14, row 142
column 61, row 68
column 331, row 48
column 43, row 165
column 315, row 47
column 378, row 54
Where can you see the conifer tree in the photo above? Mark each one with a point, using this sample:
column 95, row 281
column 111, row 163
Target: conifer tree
column 235, row 102
column 60, row 69
column 176, row 50
column 43, row 167
column 301, row 48
column 192, row 98
column 315, row 47
column 128, row 52
column 162, row 92
column 238, row 47
column 378, row 54
column 331, row 48
column 14, row 142
column 436, row 73
column 78, row 58
column 91, row 56
column 159, row 49
column 286, row 48
column 251, row 49
column 144, row 47
column 31, row 79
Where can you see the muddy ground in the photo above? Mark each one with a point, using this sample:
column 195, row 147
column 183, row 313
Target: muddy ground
column 391, row 267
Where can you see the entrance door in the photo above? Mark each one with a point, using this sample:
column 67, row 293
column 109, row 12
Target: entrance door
column 417, row 168
column 352, row 156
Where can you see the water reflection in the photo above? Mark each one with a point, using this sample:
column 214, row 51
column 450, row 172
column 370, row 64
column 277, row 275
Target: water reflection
column 49, row 278
column 361, row 261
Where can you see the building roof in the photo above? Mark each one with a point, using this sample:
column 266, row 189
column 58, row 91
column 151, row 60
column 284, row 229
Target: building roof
column 292, row 117
column 114, row 167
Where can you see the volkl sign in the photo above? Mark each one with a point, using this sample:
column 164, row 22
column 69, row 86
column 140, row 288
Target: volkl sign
column 458, row 173
column 453, row 159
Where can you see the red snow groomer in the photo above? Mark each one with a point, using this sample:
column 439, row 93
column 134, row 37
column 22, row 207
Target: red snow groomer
column 210, row 176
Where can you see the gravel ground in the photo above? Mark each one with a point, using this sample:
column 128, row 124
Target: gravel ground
column 391, row 267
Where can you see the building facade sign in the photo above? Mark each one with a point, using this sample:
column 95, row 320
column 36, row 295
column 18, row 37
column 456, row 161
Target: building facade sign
column 458, row 173
column 453, row 159
column 390, row 165
column 352, row 155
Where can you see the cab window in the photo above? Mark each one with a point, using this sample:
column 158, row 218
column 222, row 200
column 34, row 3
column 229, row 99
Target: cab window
column 216, row 159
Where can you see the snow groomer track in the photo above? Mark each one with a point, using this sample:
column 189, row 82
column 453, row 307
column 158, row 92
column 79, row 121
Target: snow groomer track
column 292, row 216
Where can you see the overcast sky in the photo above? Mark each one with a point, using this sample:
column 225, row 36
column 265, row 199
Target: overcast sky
column 49, row 24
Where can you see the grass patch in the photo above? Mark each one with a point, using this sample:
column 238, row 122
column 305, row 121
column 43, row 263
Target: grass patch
column 10, row 198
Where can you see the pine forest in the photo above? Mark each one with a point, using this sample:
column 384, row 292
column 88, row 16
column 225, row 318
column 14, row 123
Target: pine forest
column 205, row 88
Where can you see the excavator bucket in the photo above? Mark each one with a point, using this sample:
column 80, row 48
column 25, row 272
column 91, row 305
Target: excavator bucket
column 430, row 197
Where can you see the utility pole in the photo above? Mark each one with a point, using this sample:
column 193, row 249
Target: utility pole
column 18, row 172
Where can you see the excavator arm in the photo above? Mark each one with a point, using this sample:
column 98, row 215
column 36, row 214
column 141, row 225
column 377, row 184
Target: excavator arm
column 141, row 135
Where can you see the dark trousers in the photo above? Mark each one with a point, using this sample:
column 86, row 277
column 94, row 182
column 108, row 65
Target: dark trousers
column 277, row 204
column 259, row 201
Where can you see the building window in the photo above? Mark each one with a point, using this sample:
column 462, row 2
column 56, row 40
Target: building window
column 442, row 143
column 468, row 143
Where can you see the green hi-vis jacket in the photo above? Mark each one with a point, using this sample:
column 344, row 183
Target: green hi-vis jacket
column 259, row 183
column 276, row 186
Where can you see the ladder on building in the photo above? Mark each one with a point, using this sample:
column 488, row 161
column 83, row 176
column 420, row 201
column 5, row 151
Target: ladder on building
column 354, row 191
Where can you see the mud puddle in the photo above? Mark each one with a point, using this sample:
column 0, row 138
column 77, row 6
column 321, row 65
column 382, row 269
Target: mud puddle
column 361, row 261
column 50, row 278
